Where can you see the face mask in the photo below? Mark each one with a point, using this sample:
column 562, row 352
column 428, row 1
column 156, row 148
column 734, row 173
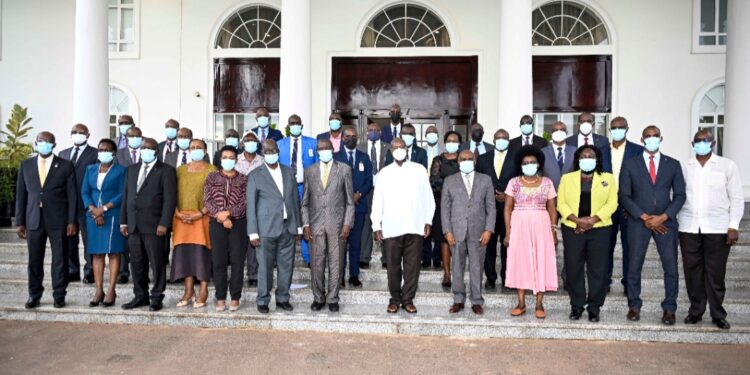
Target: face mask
column 501, row 144
column 171, row 133
column 44, row 148
column 587, row 165
column 559, row 136
column 251, row 146
column 408, row 139
column 702, row 148
column 271, row 159
column 529, row 169
column 197, row 155
column 263, row 121
column 432, row 138
column 124, row 128
column 78, row 139
column 148, row 155
column 466, row 166
column 373, row 136
column 585, row 128
column 105, row 157
column 399, row 154
column 652, row 144
column 618, row 134
column 451, row 147
column 232, row 141
column 228, row 164
column 395, row 117
column 526, row 129
column 476, row 135
column 135, row 142
column 183, row 143
column 295, row 130
column 325, row 155
column 351, row 144
column 335, row 125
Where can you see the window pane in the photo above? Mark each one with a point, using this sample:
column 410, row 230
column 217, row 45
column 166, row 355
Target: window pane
column 722, row 16
column 112, row 24
column 723, row 40
column 112, row 47
column 720, row 141
column 126, row 25
column 706, row 119
column 126, row 47
column 708, row 15
column 126, row 1
column 721, row 120
column 707, row 40
column 112, row 2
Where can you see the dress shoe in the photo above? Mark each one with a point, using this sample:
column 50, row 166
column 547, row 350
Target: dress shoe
column 122, row 279
column 625, row 290
column 456, row 307
column 477, row 309
column 354, row 282
column 252, row 283
column 95, row 302
column 263, row 309
column 364, row 265
column 691, row 319
column 88, row 279
column 59, row 303
column 32, row 303
column 316, row 306
column 489, row 285
column 333, row 307
column 384, row 266
column 343, row 284
column 135, row 303
column 721, row 323
column 74, row 277
column 410, row 308
column 155, row 306
column 110, row 303
column 426, row 264
column 668, row 318
column 392, row 308
column 286, row 306
column 593, row 317
column 575, row 314
column 634, row 315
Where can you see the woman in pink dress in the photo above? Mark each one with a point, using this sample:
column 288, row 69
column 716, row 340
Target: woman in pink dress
column 530, row 210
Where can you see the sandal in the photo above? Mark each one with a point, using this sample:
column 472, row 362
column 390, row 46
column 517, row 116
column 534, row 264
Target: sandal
column 198, row 305
column 518, row 310
column 539, row 313
column 185, row 302
column 233, row 307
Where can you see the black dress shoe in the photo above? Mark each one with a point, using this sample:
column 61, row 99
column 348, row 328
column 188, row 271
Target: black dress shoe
column 593, row 317
column 426, row 264
column 88, row 279
column 252, row 283
column 364, row 265
column 59, row 303
column 609, row 288
column 721, row 323
column 135, row 303
column 155, row 306
column 316, row 306
column 489, row 285
column 354, row 282
column 286, row 306
column 122, row 279
column 32, row 303
column 74, row 277
column 263, row 309
column 668, row 318
column 575, row 314
column 625, row 290
column 333, row 307
column 634, row 315
column 385, row 266
column 692, row 319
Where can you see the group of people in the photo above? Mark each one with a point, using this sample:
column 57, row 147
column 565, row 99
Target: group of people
column 442, row 205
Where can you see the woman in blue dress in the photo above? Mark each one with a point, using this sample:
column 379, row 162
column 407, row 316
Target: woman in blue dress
column 102, row 192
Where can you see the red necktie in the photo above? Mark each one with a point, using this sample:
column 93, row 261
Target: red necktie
column 585, row 140
column 652, row 169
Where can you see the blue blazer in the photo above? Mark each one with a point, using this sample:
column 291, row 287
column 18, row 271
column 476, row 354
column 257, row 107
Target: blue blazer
column 600, row 142
column 631, row 150
column 113, row 188
column 361, row 176
column 386, row 133
column 638, row 195
column 306, row 147
column 272, row 133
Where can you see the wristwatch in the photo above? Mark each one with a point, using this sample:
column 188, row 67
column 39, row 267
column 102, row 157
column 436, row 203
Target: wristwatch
column 105, row 208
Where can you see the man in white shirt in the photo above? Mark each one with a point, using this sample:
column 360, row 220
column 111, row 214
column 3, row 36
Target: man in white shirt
column 708, row 227
column 402, row 210
column 377, row 149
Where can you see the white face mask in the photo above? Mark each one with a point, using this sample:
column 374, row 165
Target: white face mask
column 559, row 135
column 399, row 154
column 585, row 128
column 78, row 139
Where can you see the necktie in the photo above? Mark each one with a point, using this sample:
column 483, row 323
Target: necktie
column 560, row 158
column 476, row 151
column 430, row 156
column 184, row 157
column 294, row 156
column 132, row 156
column 143, row 177
column 585, row 140
column 169, row 146
column 499, row 160
column 262, row 135
column 395, row 131
column 468, row 184
column 374, row 159
column 74, row 159
column 526, row 142
column 43, row 171
column 652, row 169
column 351, row 159
column 325, row 175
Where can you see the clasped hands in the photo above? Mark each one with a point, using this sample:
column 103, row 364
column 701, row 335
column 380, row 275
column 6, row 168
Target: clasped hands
column 584, row 224
column 97, row 213
column 188, row 218
column 655, row 223
column 484, row 239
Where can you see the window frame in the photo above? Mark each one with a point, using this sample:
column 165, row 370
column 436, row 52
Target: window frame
column 590, row 8
column 136, row 51
column 429, row 10
column 256, row 51
column 696, row 34
column 133, row 104
column 696, row 114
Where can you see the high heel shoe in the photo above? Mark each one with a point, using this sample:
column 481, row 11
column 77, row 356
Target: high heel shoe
column 198, row 305
column 185, row 302
column 111, row 303
column 96, row 302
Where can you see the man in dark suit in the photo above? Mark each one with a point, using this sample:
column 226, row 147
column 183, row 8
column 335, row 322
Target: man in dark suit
column 586, row 136
column 145, row 218
column 46, row 207
column 475, row 144
column 264, row 130
column 499, row 165
column 393, row 130
column 413, row 152
column 231, row 138
column 621, row 150
column 181, row 155
column 361, row 167
column 170, row 144
column 527, row 136
column 334, row 132
column 124, row 122
column 652, row 190
column 558, row 156
column 377, row 150
column 273, row 224
column 131, row 154
column 81, row 155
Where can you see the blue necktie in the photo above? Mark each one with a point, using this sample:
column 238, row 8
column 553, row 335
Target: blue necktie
column 560, row 158
column 351, row 159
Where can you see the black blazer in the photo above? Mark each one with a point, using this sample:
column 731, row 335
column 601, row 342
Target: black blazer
column 58, row 196
column 418, row 155
column 516, row 143
column 89, row 155
column 486, row 165
column 602, row 143
column 639, row 195
column 154, row 204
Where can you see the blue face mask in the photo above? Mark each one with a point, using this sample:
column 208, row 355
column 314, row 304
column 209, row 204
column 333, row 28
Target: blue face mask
column 105, row 157
column 183, row 143
column 373, row 136
column 228, row 164
column 451, row 147
column 587, row 165
column 44, row 148
column 148, row 155
column 702, row 148
column 618, row 134
column 197, row 155
column 652, row 144
column 501, row 144
column 171, row 133
column 335, row 125
column 466, row 166
column 271, row 159
column 325, row 155
column 263, row 121
column 408, row 139
column 529, row 169
column 124, row 128
column 251, row 147
column 135, row 142
column 526, row 129
column 432, row 138
column 295, row 130
column 232, row 141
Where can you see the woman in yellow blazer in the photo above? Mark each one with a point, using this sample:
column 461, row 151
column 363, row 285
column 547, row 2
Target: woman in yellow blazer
column 586, row 200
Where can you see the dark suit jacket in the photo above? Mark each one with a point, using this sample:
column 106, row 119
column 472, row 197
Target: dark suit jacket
column 551, row 169
column 58, row 196
column 517, row 142
column 88, row 156
column 154, row 204
column 467, row 146
column 361, row 175
column 638, row 195
column 486, row 165
column 272, row 133
column 602, row 143
column 386, row 133
column 123, row 156
column 162, row 144
column 631, row 150
column 418, row 155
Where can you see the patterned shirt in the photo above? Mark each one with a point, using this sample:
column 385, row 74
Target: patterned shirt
column 226, row 193
column 245, row 166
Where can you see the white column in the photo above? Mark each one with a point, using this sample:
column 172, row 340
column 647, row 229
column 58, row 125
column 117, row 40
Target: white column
column 738, row 88
column 294, row 86
column 516, row 91
column 91, row 72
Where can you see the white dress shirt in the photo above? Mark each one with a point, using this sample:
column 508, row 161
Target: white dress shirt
column 403, row 202
column 473, row 145
column 715, row 200
column 179, row 157
column 558, row 149
column 143, row 167
column 398, row 129
column 300, row 168
column 582, row 141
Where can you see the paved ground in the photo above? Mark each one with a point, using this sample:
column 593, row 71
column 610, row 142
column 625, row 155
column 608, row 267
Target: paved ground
column 63, row 348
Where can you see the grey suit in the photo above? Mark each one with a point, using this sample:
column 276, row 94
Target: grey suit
column 265, row 218
column 366, row 248
column 321, row 211
column 551, row 168
column 466, row 217
column 125, row 157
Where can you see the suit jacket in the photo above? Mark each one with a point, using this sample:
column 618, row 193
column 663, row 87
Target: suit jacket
column 516, row 143
column 58, row 196
column 602, row 143
column 160, row 155
column 272, row 133
column 486, row 165
column 603, row 197
column 322, row 207
column 385, row 149
column 386, row 133
column 265, row 203
column 88, row 156
column 113, row 189
column 171, row 158
column 306, row 146
column 551, row 169
column 638, row 195
column 467, row 146
column 361, row 175
column 418, row 155
column 467, row 216
column 154, row 204
column 123, row 156
column 631, row 150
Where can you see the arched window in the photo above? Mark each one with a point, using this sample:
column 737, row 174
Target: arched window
column 120, row 103
column 567, row 23
column 711, row 115
column 405, row 25
column 255, row 26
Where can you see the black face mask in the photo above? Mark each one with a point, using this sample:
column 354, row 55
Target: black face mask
column 350, row 143
column 395, row 117
column 476, row 135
